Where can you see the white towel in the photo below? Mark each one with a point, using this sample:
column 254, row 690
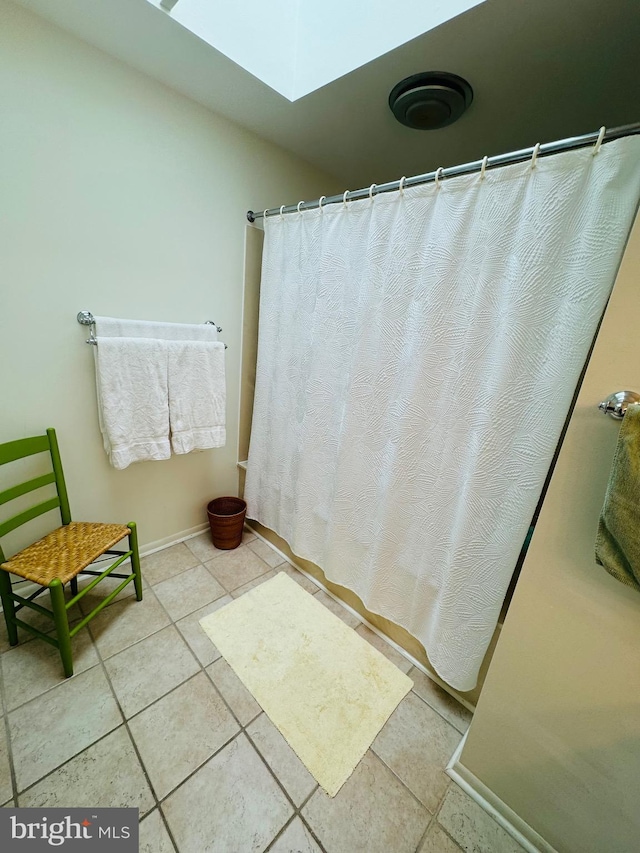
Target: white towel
column 131, row 382
column 114, row 327
column 197, row 395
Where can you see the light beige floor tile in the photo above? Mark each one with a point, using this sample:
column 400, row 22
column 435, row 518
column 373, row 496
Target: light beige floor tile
column 187, row 592
column 107, row 774
column 372, row 812
column 147, row 670
column 299, row 578
column 296, row 839
column 233, row 691
column 471, row 827
column 236, row 593
column 284, row 763
column 33, row 668
column 437, row 841
column 9, row 805
column 443, row 702
column 340, row 611
column 239, row 805
column 384, row 648
column 166, row 563
column 5, row 774
column 236, row 568
column 61, row 723
column 266, row 552
column 416, row 743
column 126, row 622
column 180, row 731
column 204, row 549
column 154, row 837
column 199, row 642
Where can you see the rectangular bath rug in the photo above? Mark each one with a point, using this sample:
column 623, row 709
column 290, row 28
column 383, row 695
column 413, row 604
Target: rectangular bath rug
column 327, row 690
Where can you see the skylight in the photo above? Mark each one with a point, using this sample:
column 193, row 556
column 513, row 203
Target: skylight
column 297, row 46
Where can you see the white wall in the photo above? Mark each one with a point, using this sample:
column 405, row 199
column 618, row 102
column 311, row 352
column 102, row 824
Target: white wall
column 120, row 196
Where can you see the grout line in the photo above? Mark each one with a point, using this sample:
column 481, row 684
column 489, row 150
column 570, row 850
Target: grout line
column 280, row 833
column 438, row 712
column 165, row 823
column 5, row 720
column 401, row 781
column 424, row 835
column 127, row 729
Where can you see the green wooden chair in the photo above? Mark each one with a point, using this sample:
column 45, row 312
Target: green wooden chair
column 59, row 557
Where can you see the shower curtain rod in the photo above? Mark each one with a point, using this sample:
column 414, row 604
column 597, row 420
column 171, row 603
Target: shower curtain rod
column 451, row 171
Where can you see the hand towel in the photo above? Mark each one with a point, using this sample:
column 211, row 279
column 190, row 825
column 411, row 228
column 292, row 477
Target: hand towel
column 618, row 539
column 133, row 408
column 197, row 395
column 113, row 327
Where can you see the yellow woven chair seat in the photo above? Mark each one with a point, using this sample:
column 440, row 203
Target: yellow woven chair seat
column 64, row 553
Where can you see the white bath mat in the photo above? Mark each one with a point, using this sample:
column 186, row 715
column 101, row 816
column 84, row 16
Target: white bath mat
column 325, row 688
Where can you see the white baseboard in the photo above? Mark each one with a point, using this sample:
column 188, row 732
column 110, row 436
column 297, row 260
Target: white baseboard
column 405, row 654
column 518, row 829
column 174, row 539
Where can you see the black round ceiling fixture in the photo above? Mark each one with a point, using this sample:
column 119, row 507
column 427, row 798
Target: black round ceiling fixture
column 430, row 100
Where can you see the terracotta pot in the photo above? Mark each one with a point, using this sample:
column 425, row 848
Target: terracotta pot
column 226, row 519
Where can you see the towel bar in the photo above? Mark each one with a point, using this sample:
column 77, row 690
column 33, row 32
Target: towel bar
column 616, row 404
column 86, row 318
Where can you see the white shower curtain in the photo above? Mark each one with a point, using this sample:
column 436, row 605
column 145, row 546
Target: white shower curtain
column 417, row 357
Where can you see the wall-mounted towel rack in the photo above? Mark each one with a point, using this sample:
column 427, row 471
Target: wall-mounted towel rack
column 86, row 318
column 616, row 404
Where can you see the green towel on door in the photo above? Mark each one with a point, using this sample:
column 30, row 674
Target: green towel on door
column 618, row 539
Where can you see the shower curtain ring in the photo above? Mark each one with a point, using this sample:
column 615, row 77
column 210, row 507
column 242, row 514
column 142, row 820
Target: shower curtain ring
column 371, row 189
column 264, row 214
column 401, row 187
column 321, row 199
column 299, row 203
column 534, row 156
column 344, row 197
column 483, row 168
column 281, row 209
column 438, row 176
column 596, row 147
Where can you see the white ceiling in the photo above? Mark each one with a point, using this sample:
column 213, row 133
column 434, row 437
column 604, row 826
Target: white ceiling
column 297, row 46
column 540, row 70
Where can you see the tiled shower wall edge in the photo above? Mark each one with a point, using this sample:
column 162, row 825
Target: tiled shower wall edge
column 511, row 822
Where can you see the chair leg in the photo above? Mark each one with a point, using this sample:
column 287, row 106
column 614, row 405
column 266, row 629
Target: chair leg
column 135, row 559
column 74, row 585
column 56, row 590
column 8, row 607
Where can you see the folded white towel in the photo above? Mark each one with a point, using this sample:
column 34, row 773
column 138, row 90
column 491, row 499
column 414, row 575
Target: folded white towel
column 131, row 381
column 113, row 327
column 197, row 395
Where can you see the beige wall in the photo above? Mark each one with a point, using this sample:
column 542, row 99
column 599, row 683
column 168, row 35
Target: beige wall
column 120, row 196
column 556, row 734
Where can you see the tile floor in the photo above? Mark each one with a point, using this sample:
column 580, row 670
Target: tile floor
column 155, row 718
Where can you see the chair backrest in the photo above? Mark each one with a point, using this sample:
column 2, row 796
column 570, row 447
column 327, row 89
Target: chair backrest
column 11, row 451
